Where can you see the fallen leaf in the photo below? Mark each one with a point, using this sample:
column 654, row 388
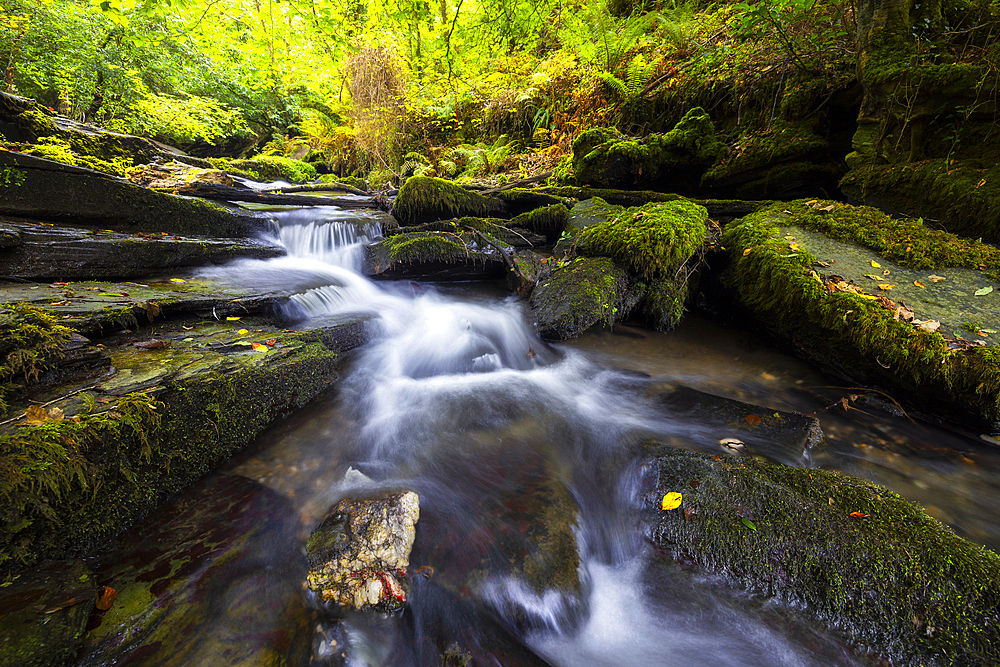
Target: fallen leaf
column 873, row 276
column 177, row 280
column 860, row 515
column 876, row 265
column 35, row 415
column 747, row 251
column 903, row 313
column 830, row 500
column 935, row 279
column 823, row 264
column 984, row 291
column 919, row 284
column 257, row 347
column 752, row 420
column 243, row 332
column 113, row 294
column 56, row 414
column 232, row 319
column 929, row 326
column 272, row 341
column 106, row 598
column 671, row 501
column 886, row 286
column 689, row 512
column 988, row 331
column 748, row 523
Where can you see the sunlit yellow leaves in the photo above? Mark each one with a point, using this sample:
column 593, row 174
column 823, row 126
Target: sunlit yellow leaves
column 36, row 414
column 919, row 284
column 876, row 265
column 232, row 319
column 177, row 280
column 671, row 501
column 258, row 347
column 243, row 332
column 886, row 286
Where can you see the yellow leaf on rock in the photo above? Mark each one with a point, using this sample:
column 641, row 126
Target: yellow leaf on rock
column 257, row 347
column 747, row 251
column 232, row 319
column 243, row 332
column 177, row 280
column 886, row 286
column 919, row 284
column 36, row 415
column 671, row 501
column 56, row 414
column 876, row 265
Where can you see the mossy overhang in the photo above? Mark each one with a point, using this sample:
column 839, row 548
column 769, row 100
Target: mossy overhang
column 53, row 191
column 426, row 199
column 851, row 552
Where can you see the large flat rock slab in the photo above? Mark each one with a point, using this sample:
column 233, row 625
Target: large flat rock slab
column 34, row 251
column 884, row 303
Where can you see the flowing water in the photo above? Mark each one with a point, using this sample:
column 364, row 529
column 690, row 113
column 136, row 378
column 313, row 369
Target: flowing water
column 499, row 433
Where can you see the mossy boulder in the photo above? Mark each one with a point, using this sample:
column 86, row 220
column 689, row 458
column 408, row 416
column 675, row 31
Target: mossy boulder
column 849, row 551
column 44, row 613
column 547, row 220
column 787, row 160
column 887, row 311
column 434, row 256
column 523, row 200
column 961, row 196
column 40, row 189
column 580, row 294
column 674, row 161
column 658, row 244
column 426, row 199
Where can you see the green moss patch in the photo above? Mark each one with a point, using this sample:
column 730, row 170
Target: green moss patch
column 853, row 553
column 548, row 220
column 446, row 255
column 266, row 168
column 857, row 332
column 426, row 199
column 677, row 158
column 30, row 341
column 961, row 197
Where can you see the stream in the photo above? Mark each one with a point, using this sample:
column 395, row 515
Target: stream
column 510, row 442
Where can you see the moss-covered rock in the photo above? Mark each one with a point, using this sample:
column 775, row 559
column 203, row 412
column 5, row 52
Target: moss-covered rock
column 674, row 161
column 40, row 189
column 846, row 315
column 854, row 554
column 523, row 200
column 44, row 612
column 580, row 294
column 31, row 341
column 175, row 408
column 434, row 256
column 425, row 199
column 960, row 196
column 42, row 132
column 548, row 220
column 267, row 168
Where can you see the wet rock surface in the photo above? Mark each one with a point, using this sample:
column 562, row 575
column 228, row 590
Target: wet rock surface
column 579, row 295
column 434, row 256
column 359, row 555
column 855, row 554
column 44, row 612
column 213, row 577
column 45, row 251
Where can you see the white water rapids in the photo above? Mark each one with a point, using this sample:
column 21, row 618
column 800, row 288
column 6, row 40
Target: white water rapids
column 449, row 375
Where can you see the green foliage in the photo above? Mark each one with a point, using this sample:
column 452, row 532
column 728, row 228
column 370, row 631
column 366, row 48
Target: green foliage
column 182, row 121
column 30, row 341
column 266, row 168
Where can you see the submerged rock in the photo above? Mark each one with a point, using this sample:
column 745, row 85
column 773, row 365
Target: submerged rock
column 360, row 552
column 44, row 612
column 673, row 161
column 882, row 302
column 853, row 553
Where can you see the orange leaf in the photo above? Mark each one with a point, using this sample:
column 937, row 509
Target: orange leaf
column 271, row 341
column 106, row 598
column 919, row 284
column 860, row 515
column 886, row 286
column 36, row 414
column 752, row 420
column 257, row 347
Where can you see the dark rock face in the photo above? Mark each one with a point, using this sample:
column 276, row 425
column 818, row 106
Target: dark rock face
column 852, row 552
column 579, row 295
column 360, row 552
column 673, row 161
column 42, row 189
column 44, row 612
column 47, row 252
column 433, row 256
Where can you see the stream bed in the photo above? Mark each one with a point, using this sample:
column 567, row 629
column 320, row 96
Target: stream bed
column 524, row 457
